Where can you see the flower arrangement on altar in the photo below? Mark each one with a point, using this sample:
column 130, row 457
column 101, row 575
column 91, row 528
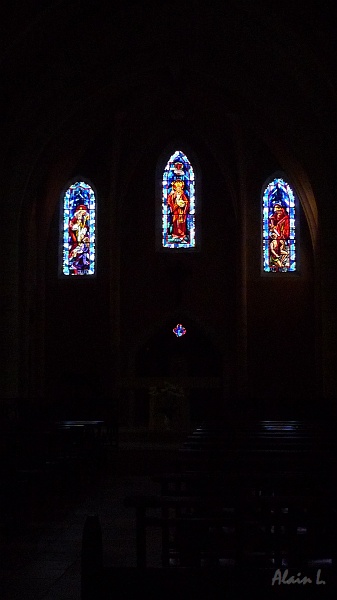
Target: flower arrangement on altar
column 166, row 401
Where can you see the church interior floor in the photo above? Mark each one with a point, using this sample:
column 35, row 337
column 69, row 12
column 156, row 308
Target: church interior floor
column 43, row 562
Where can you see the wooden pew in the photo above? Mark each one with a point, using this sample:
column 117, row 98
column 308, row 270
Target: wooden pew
column 254, row 481
column 239, row 517
column 236, row 509
column 262, row 445
column 208, row 562
column 135, row 583
column 48, row 464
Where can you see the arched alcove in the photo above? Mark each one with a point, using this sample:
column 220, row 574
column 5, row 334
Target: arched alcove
column 191, row 363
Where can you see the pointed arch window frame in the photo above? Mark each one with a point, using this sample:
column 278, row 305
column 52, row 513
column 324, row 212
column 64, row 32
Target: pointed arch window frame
column 166, row 162
column 294, row 227
column 66, row 211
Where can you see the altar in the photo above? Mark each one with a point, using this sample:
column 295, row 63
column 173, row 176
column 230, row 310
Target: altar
column 167, row 403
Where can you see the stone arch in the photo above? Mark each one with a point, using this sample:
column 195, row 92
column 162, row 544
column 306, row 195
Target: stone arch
column 193, row 362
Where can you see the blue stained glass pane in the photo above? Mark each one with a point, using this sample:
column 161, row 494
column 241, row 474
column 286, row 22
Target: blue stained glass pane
column 79, row 213
column 279, row 227
column 178, row 203
column 179, row 330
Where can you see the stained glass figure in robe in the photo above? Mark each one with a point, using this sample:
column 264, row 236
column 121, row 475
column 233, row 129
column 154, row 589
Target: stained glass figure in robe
column 178, row 203
column 279, row 253
column 79, row 214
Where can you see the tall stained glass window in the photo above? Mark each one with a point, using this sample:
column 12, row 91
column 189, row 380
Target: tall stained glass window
column 279, row 227
column 178, row 203
column 79, row 216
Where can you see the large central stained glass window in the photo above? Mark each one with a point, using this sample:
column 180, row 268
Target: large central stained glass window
column 279, row 227
column 79, row 220
column 178, row 203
